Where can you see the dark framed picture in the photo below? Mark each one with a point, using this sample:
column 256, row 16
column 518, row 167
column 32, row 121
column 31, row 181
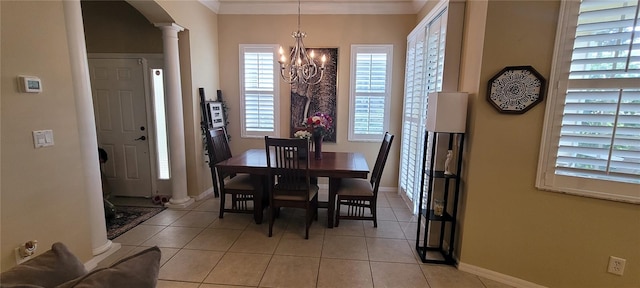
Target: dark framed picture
column 516, row 89
column 308, row 99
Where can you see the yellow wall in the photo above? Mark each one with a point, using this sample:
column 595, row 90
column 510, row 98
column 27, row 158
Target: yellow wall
column 339, row 31
column 116, row 27
column 42, row 189
column 510, row 227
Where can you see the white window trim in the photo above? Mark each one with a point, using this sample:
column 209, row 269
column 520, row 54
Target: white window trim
column 276, row 90
column 355, row 49
column 546, row 179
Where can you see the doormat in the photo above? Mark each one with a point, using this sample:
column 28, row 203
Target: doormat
column 128, row 217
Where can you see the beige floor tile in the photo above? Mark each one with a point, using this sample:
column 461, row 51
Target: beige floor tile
column 296, row 228
column 404, row 215
column 205, row 285
column 311, row 247
column 344, row 273
column 398, row 275
column 210, row 205
column 382, row 202
column 165, row 253
column 443, row 276
column 493, row 284
column 138, row 234
column 176, row 284
column 384, row 214
column 189, row 265
column 233, row 221
column 113, row 258
column 239, row 269
column 345, row 247
column 410, row 229
column 166, row 217
column 291, row 271
column 214, row 239
column 251, row 241
column 390, row 250
column 347, row 228
column 397, row 203
column 385, row 229
column 175, row 237
column 196, row 219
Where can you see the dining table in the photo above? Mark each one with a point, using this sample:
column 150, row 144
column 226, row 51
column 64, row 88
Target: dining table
column 333, row 165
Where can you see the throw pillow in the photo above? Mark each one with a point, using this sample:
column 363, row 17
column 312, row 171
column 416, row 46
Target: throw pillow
column 139, row 270
column 48, row 269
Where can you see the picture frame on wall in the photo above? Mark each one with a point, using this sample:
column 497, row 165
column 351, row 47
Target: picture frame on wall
column 308, row 99
column 216, row 113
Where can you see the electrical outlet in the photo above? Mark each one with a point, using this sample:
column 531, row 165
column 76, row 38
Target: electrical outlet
column 616, row 265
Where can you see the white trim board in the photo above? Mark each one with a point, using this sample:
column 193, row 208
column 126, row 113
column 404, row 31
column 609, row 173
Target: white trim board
column 495, row 276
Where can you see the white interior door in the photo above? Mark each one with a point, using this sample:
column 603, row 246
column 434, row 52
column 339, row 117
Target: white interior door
column 118, row 89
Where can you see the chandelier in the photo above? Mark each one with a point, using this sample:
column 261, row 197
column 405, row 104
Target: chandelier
column 303, row 67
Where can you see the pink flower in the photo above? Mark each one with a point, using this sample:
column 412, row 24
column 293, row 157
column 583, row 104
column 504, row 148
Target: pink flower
column 320, row 124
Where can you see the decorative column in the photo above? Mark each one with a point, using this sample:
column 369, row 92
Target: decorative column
column 175, row 118
column 86, row 125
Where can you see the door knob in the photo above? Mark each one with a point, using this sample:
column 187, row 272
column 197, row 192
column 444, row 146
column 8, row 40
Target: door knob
column 140, row 138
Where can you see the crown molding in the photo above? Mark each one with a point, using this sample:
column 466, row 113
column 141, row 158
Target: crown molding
column 277, row 7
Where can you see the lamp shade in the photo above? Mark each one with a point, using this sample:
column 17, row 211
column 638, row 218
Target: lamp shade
column 447, row 112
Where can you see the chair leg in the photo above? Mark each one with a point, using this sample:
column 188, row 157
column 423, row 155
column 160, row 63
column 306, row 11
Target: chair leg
column 222, row 198
column 271, row 220
column 338, row 213
column 375, row 214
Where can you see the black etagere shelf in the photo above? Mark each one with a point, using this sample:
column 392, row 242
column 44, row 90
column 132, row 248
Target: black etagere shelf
column 434, row 229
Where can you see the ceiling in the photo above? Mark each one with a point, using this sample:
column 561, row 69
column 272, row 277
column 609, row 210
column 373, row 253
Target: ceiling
column 315, row 6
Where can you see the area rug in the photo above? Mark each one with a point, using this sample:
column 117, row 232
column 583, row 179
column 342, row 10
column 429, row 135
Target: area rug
column 128, row 217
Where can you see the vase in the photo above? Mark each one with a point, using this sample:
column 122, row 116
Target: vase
column 317, row 146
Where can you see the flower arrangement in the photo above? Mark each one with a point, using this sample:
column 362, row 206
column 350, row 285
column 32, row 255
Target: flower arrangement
column 302, row 134
column 320, row 124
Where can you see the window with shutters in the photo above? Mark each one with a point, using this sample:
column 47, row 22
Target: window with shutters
column 424, row 73
column 370, row 91
column 258, row 91
column 591, row 141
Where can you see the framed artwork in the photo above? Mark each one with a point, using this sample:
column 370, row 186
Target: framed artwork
column 516, row 89
column 308, row 99
column 216, row 114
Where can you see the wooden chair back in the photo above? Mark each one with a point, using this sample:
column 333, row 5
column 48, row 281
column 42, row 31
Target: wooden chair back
column 383, row 153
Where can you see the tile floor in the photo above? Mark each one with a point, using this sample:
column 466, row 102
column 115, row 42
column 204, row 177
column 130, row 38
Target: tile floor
column 201, row 250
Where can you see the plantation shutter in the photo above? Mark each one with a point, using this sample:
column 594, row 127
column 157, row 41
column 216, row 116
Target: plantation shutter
column 424, row 74
column 370, row 93
column 259, row 90
column 600, row 135
column 591, row 144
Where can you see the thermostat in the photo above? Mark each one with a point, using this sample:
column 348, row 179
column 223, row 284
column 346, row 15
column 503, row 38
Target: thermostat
column 30, row 84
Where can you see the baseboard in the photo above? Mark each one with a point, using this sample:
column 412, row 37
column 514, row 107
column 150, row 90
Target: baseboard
column 495, row 276
column 93, row 262
column 205, row 194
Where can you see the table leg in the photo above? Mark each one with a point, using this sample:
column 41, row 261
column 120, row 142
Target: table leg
column 334, row 183
column 258, row 194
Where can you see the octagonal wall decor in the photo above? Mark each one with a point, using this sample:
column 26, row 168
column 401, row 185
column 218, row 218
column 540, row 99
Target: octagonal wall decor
column 516, row 89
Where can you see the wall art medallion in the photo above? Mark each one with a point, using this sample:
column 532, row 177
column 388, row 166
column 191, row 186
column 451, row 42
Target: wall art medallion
column 516, row 89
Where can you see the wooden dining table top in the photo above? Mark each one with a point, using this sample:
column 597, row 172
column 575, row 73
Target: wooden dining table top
column 332, row 164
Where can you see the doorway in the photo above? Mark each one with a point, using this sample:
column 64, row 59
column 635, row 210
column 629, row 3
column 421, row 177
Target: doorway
column 124, row 126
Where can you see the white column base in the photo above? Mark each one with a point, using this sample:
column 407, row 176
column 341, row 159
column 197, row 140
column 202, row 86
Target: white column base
column 182, row 203
column 93, row 263
column 102, row 248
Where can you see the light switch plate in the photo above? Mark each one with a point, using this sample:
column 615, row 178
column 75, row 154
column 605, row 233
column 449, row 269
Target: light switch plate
column 42, row 138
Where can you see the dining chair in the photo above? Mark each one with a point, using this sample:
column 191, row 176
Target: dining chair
column 288, row 179
column 359, row 194
column 238, row 186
